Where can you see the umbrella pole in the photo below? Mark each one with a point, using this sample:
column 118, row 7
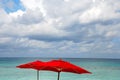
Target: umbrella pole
column 58, row 75
column 37, row 74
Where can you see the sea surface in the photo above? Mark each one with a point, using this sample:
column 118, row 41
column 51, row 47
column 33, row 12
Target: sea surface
column 102, row 69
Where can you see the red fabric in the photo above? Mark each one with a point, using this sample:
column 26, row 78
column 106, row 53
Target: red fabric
column 64, row 66
column 54, row 65
column 37, row 65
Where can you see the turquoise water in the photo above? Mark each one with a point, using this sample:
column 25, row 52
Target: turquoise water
column 102, row 69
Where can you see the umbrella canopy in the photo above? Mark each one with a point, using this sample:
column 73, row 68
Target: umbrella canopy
column 64, row 66
column 37, row 65
column 53, row 65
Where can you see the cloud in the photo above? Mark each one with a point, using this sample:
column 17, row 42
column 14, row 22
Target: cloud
column 17, row 13
column 33, row 4
column 5, row 18
column 30, row 17
column 62, row 27
column 4, row 40
column 99, row 12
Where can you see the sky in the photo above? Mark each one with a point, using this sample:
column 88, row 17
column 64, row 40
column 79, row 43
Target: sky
column 60, row 28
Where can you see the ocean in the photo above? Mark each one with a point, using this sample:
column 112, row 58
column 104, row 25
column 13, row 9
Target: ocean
column 102, row 69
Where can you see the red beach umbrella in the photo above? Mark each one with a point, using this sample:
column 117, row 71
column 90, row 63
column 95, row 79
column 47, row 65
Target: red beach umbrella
column 37, row 65
column 53, row 65
column 64, row 66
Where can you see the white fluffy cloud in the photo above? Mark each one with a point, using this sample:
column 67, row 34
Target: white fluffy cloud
column 52, row 26
column 17, row 13
column 100, row 11
column 5, row 18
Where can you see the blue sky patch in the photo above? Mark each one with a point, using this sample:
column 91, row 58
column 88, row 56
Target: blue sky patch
column 12, row 5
